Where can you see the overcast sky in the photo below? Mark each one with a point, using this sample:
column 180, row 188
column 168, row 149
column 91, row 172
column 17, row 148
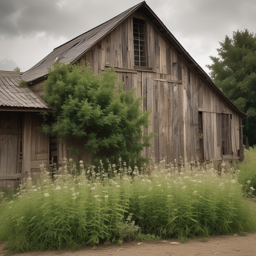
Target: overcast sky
column 30, row 29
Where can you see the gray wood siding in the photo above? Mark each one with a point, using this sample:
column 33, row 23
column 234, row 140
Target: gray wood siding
column 173, row 92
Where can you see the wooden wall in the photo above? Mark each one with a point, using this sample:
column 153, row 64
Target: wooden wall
column 35, row 144
column 173, row 92
column 10, row 142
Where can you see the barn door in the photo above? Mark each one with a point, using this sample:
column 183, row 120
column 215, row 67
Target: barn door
column 10, row 148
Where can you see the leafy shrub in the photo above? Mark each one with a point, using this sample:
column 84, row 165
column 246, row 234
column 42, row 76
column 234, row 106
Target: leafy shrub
column 97, row 110
column 92, row 207
column 23, row 84
column 247, row 172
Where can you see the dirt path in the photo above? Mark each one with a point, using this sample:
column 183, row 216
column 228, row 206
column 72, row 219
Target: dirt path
column 220, row 245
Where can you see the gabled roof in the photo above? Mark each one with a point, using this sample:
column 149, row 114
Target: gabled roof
column 11, row 96
column 75, row 48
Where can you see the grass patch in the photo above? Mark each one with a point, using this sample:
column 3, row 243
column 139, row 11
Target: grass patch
column 90, row 207
column 247, row 172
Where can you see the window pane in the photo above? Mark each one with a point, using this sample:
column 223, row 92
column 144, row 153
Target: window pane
column 140, row 56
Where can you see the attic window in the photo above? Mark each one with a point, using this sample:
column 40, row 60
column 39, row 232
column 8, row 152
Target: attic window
column 139, row 40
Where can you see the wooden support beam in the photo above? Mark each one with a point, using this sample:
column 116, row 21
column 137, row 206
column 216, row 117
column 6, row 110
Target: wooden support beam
column 10, row 177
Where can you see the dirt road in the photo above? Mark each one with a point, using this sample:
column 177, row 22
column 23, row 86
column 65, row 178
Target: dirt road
column 220, row 245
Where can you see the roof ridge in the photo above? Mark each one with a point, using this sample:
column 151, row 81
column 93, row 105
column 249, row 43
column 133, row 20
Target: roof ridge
column 141, row 3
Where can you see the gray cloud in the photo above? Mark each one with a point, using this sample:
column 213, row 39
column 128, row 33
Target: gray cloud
column 7, row 64
column 197, row 24
column 62, row 17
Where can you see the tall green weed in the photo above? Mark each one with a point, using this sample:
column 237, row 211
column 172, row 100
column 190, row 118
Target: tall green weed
column 247, row 172
column 91, row 207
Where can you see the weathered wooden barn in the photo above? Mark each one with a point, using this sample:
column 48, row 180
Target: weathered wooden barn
column 191, row 116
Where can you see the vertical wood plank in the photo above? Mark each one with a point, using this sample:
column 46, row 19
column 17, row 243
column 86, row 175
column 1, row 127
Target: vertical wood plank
column 26, row 144
column 175, row 149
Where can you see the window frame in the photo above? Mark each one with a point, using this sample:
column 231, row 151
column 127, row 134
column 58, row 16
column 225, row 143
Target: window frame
column 140, row 36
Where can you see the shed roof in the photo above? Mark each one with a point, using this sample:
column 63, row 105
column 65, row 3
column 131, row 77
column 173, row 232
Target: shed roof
column 11, row 96
column 75, row 48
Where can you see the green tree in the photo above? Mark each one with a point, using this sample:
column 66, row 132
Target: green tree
column 234, row 72
column 85, row 106
column 17, row 69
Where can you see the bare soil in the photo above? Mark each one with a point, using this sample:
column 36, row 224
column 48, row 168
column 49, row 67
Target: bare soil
column 219, row 245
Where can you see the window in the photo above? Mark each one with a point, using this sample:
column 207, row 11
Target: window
column 139, row 41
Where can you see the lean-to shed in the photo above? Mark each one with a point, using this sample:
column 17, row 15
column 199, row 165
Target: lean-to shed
column 192, row 117
column 19, row 121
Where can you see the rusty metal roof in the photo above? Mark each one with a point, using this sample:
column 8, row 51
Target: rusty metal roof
column 12, row 96
column 75, row 48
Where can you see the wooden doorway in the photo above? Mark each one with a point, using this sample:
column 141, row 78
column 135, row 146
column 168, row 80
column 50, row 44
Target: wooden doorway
column 10, row 148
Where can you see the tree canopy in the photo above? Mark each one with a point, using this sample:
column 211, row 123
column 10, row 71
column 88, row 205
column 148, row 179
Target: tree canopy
column 16, row 69
column 234, row 72
column 97, row 110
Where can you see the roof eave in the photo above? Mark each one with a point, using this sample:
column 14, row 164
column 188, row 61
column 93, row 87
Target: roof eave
column 185, row 55
column 23, row 109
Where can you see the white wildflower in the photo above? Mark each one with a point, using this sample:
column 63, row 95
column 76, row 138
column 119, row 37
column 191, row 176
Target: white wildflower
column 194, row 192
column 96, row 195
column 70, row 159
column 35, row 189
column 93, row 188
column 58, row 187
column 106, row 196
column 46, row 194
column 74, row 194
column 252, row 188
column 248, row 181
column 168, row 195
column 233, row 181
column 118, row 186
column 199, row 181
column 72, row 189
column 65, row 187
column 159, row 185
column 184, row 187
column 11, row 202
column 148, row 180
column 142, row 180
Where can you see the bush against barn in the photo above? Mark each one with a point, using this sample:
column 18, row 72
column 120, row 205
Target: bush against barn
column 98, row 110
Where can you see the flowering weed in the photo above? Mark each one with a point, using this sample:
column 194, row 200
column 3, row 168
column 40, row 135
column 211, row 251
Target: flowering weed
column 247, row 173
column 74, row 210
